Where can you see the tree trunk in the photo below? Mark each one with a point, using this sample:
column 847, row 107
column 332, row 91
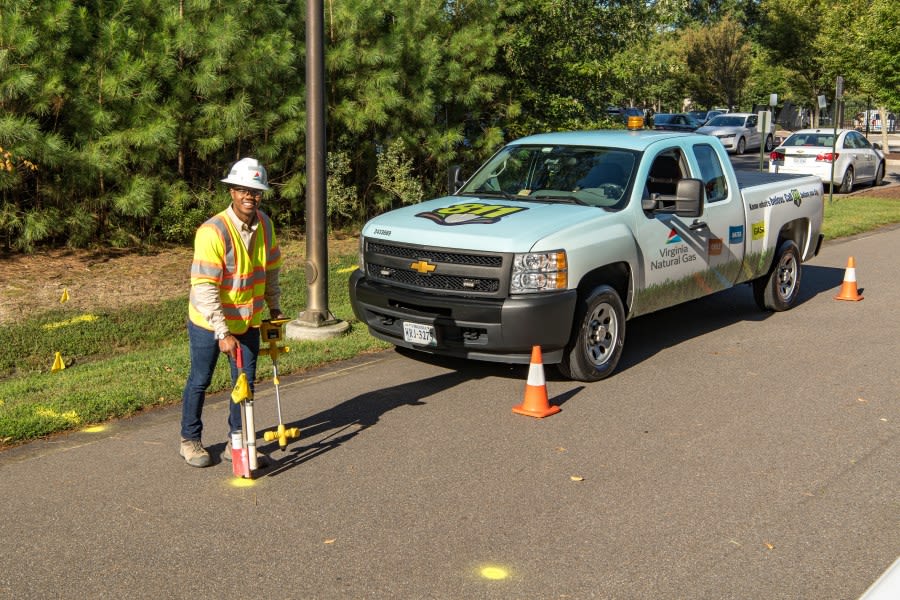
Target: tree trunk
column 883, row 111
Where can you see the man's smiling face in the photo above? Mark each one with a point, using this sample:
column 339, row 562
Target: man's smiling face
column 244, row 202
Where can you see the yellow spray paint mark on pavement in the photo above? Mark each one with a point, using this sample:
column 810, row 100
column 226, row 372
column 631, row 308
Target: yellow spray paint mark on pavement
column 494, row 573
column 94, row 429
column 347, row 269
column 65, row 296
column 241, row 482
column 72, row 321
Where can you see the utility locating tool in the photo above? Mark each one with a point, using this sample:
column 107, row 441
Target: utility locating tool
column 270, row 330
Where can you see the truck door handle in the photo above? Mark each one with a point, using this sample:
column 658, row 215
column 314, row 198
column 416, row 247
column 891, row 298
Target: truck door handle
column 699, row 225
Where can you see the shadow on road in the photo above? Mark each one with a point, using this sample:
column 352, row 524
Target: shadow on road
column 347, row 419
column 653, row 333
column 647, row 336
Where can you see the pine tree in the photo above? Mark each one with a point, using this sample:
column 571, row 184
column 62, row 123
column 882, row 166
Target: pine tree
column 33, row 45
column 423, row 73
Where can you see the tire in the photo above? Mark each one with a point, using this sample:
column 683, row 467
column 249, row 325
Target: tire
column 879, row 175
column 847, row 181
column 741, row 146
column 598, row 336
column 769, row 143
column 778, row 291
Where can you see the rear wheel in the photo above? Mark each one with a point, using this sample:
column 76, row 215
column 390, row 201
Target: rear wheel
column 769, row 143
column 598, row 337
column 847, row 181
column 779, row 289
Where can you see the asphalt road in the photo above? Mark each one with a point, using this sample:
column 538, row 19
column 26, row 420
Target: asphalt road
column 736, row 454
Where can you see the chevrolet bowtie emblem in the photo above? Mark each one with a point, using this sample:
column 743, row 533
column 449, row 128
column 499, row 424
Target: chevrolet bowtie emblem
column 422, row 266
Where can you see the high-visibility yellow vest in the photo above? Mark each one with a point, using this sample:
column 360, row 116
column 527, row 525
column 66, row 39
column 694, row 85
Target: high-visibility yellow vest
column 221, row 258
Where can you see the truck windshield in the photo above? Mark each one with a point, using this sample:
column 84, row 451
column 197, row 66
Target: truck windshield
column 585, row 175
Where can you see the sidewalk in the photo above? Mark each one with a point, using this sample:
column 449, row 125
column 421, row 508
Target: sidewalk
column 894, row 149
column 892, row 160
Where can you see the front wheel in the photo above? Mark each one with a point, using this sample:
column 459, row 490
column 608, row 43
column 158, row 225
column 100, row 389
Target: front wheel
column 598, row 337
column 741, row 146
column 879, row 175
column 779, row 289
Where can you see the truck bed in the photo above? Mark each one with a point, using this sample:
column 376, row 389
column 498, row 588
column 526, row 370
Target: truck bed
column 747, row 179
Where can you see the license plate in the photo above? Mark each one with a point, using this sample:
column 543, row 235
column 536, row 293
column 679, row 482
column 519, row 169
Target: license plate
column 416, row 333
column 799, row 160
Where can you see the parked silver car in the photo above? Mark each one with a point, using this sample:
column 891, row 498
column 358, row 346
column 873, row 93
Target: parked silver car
column 810, row 151
column 737, row 132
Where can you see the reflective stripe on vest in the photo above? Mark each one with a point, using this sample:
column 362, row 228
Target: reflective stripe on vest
column 221, row 258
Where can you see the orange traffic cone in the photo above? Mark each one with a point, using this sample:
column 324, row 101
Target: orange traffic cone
column 848, row 288
column 536, row 403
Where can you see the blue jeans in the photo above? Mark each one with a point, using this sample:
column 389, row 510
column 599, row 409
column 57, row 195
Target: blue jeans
column 204, row 355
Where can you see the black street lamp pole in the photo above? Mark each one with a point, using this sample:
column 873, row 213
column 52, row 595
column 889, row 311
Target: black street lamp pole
column 316, row 316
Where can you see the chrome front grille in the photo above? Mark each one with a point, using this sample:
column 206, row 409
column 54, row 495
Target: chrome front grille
column 434, row 254
column 469, row 273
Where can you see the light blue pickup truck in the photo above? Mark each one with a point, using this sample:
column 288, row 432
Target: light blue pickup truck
column 559, row 238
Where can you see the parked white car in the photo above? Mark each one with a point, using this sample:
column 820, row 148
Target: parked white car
column 737, row 132
column 811, row 151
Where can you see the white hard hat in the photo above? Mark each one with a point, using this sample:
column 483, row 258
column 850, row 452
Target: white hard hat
column 248, row 173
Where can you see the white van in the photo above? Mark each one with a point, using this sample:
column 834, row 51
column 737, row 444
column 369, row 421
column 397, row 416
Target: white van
column 872, row 119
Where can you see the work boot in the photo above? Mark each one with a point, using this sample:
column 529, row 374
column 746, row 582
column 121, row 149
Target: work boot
column 194, row 453
column 261, row 460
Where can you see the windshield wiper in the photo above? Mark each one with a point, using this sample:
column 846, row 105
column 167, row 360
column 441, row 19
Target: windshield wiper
column 528, row 197
column 492, row 194
column 568, row 199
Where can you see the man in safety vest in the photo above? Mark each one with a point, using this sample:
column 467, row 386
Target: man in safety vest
column 234, row 275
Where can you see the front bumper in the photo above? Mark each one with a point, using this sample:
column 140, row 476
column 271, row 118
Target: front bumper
column 730, row 143
column 498, row 330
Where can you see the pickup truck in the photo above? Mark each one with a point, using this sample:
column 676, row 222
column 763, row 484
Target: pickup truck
column 559, row 238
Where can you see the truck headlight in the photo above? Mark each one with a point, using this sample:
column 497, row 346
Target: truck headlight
column 539, row 272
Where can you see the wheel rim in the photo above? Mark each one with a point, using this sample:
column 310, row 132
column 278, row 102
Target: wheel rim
column 848, row 179
column 600, row 334
column 787, row 276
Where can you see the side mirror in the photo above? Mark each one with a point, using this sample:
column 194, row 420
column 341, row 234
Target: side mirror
column 689, row 198
column 876, row 145
column 453, row 180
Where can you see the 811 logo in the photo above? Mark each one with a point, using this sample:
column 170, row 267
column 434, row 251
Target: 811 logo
column 470, row 213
